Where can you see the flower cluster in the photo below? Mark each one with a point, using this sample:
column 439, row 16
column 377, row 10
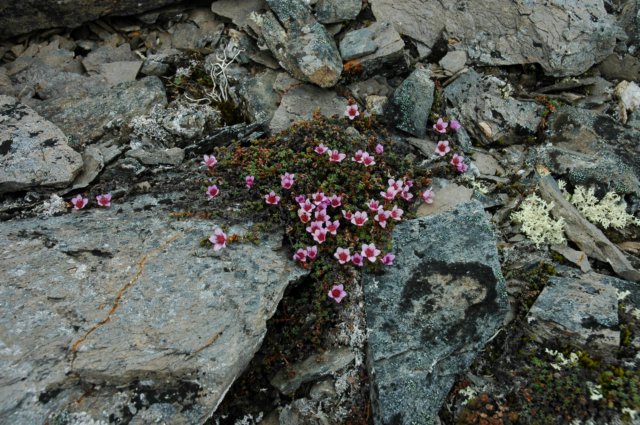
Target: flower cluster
column 443, row 148
column 79, row 202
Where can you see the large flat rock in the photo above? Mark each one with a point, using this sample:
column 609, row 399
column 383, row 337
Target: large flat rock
column 432, row 312
column 127, row 304
column 564, row 37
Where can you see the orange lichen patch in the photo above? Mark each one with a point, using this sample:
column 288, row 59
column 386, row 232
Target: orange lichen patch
column 353, row 67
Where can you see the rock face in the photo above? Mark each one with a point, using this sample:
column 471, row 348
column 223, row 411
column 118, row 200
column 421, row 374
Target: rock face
column 302, row 45
column 504, row 32
column 410, row 105
column 33, row 151
column 22, row 16
column 126, row 301
column 432, row 312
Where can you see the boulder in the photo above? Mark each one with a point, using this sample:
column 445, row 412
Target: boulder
column 130, row 303
column 431, row 313
column 565, row 38
column 410, row 105
column 34, row 152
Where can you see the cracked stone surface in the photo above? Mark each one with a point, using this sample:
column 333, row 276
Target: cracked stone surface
column 33, row 151
column 564, row 37
column 126, row 301
column 432, row 312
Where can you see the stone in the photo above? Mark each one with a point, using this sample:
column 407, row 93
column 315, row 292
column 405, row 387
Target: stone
column 301, row 44
column 120, row 72
column 127, row 301
column 23, row 16
column 332, row 11
column 301, row 102
column 84, row 119
column 565, row 38
column 581, row 310
column 378, row 86
column 303, row 412
column 201, row 32
column 259, row 97
column 431, row 313
column 485, row 108
column 447, row 196
column 487, row 165
column 171, row 156
column 311, row 369
column 410, row 105
column 615, row 67
column 238, row 12
column 107, row 54
column 356, row 44
column 388, row 58
column 375, row 104
column 92, row 163
column 454, row 61
column 188, row 121
column 34, row 152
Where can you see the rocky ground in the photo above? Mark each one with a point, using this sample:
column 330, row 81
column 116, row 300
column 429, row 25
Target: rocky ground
column 513, row 296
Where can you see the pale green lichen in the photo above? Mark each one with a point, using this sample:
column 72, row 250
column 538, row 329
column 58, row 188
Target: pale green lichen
column 536, row 222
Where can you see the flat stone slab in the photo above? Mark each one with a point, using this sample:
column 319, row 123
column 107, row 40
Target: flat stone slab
column 432, row 312
column 127, row 302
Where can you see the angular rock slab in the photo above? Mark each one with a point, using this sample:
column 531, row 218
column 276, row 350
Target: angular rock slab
column 564, row 37
column 118, row 296
column 430, row 314
column 410, row 105
column 33, row 151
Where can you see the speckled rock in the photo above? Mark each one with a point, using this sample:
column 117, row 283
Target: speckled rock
column 430, row 314
column 126, row 301
column 200, row 32
column 485, row 108
column 387, row 59
column 260, row 98
column 33, row 151
column 357, row 43
column 565, row 37
column 410, row 105
column 332, row 11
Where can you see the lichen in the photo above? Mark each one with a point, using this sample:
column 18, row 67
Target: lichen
column 536, row 222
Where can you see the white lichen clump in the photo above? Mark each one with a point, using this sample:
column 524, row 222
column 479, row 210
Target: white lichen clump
column 536, row 222
column 610, row 211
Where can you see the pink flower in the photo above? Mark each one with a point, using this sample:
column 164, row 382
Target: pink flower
column 454, row 125
column 304, row 216
column 443, row 147
column 79, row 202
column 337, row 293
column 307, row 206
column 359, row 218
column 396, row 213
column 210, row 161
column 406, row 195
column 427, row 196
column 347, row 215
column 286, row 180
column 320, row 235
column 312, row 252
column 343, row 255
column 352, row 111
column 318, row 198
column 104, row 200
column 249, row 180
column 381, row 217
column 300, row 199
column 408, row 184
column 335, row 156
column 370, row 252
column 368, row 160
column 379, row 149
column 332, row 227
column 218, row 239
column 321, row 149
column 357, row 260
column 373, row 205
column 321, row 215
column 388, row 258
column 389, row 194
column 357, row 157
column 441, row 126
column 272, row 198
column 314, row 225
column 335, row 200
column 462, row 167
column 300, row 255
column 213, row 191
column 458, row 162
column 395, row 184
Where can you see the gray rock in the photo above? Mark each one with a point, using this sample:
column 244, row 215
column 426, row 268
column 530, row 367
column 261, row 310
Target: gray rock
column 238, row 12
column 107, row 54
column 121, row 298
column 356, row 44
column 84, row 119
column 615, row 67
column 387, row 59
column 201, row 32
column 303, row 412
column 332, row 11
column 120, row 72
column 485, row 108
column 188, row 121
column 447, row 197
column 410, row 105
column 565, row 38
column 430, row 314
column 377, row 86
column 300, row 103
column 171, row 156
column 301, row 44
column 312, row 369
column 375, row 104
column 259, row 97
column 454, row 61
column 583, row 311
column 33, row 151
column 591, row 149
column 92, row 163
column 159, row 64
